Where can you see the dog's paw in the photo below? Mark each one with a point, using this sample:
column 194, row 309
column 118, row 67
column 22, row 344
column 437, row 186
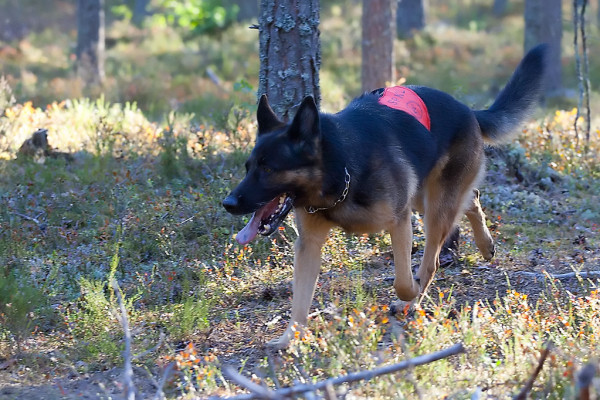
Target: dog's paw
column 487, row 250
column 402, row 308
column 282, row 342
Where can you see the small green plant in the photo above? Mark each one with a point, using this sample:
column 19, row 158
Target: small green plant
column 20, row 306
column 189, row 317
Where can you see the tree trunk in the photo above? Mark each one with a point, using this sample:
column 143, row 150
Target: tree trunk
column 499, row 8
column 140, row 10
column 90, row 41
column 543, row 23
column 377, row 44
column 290, row 53
column 410, row 17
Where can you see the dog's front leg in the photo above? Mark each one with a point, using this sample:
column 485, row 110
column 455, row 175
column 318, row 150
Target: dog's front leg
column 406, row 287
column 307, row 263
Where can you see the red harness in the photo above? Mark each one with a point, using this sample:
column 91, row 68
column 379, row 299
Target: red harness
column 405, row 99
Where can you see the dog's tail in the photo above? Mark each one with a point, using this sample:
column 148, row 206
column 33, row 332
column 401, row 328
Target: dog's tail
column 518, row 98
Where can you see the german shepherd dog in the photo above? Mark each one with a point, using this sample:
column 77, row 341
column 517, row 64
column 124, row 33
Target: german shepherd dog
column 366, row 168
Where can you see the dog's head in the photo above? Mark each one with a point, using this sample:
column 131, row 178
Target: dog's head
column 280, row 170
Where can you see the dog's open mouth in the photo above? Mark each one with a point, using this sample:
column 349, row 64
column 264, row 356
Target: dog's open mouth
column 266, row 219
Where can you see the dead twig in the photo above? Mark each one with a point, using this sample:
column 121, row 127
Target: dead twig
column 159, row 390
column 161, row 340
column 214, row 78
column 529, row 385
column 127, row 368
column 259, row 392
column 567, row 275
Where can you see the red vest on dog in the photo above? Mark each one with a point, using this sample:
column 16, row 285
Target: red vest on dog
column 405, row 99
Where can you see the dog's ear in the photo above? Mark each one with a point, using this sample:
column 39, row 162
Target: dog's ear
column 306, row 126
column 267, row 120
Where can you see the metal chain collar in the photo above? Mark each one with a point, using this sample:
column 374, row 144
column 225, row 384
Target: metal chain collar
column 312, row 210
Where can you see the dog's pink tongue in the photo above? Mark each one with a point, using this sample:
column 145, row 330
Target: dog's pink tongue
column 249, row 232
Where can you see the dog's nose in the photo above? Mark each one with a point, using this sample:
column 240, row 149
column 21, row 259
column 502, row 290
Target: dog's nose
column 231, row 203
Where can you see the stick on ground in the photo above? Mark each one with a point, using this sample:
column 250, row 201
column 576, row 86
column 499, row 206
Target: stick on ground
column 527, row 388
column 265, row 393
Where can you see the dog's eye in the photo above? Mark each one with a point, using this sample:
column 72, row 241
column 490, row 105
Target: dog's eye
column 266, row 168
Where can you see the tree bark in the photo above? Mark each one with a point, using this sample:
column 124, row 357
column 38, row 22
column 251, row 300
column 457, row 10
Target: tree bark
column 377, row 44
column 90, row 41
column 543, row 23
column 410, row 17
column 290, row 53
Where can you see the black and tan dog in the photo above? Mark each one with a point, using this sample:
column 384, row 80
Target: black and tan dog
column 368, row 166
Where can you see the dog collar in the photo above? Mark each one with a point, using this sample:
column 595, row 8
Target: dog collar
column 312, row 210
column 405, row 99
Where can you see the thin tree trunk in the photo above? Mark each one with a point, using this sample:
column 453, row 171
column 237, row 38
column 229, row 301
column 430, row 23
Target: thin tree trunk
column 499, row 8
column 543, row 23
column 410, row 17
column 378, row 32
column 290, row 53
column 140, row 10
column 90, row 41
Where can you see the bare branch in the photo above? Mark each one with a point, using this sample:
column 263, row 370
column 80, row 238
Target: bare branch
column 567, row 275
column 127, row 368
column 586, row 71
column 257, row 390
column 161, row 340
column 523, row 394
column 159, row 391
column 577, row 67
column 353, row 377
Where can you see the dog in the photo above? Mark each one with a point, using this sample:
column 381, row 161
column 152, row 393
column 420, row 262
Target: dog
column 367, row 167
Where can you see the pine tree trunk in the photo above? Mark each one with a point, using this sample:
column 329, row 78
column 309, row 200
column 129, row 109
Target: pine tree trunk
column 90, row 41
column 500, row 7
column 543, row 24
column 378, row 32
column 290, row 53
column 410, row 17
column 140, row 10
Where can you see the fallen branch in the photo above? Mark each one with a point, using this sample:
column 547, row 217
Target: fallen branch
column 257, row 390
column 127, row 369
column 523, row 394
column 167, row 373
column 161, row 341
column 568, row 275
column 260, row 392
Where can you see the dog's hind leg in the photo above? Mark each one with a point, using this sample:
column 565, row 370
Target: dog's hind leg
column 483, row 238
column 307, row 262
column 406, row 287
column 444, row 203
